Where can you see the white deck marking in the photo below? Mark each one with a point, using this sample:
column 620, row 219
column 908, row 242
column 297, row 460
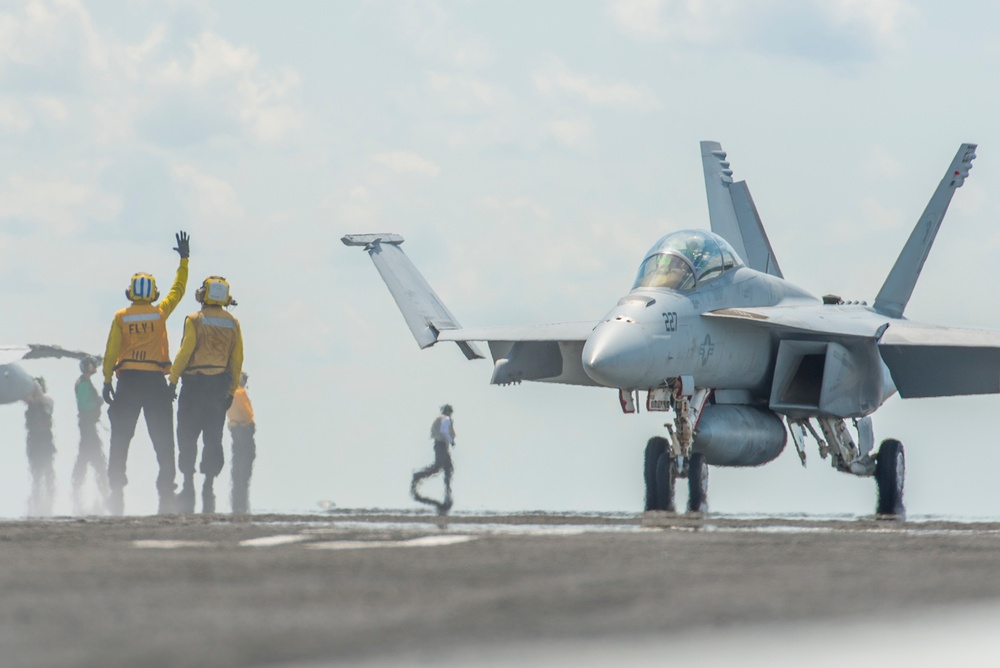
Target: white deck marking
column 272, row 541
column 423, row 541
column 171, row 544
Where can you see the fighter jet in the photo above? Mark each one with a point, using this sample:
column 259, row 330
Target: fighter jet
column 16, row 384
column 713, row 333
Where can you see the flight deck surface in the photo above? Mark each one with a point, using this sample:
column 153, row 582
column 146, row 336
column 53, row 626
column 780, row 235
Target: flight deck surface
column 360, row 587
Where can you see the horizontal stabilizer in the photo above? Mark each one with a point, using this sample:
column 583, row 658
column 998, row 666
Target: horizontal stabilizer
column 898, row 286
column 424, row 312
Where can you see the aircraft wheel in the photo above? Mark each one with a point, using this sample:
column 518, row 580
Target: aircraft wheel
column 655, row 447
column 890, row 470
column 666, row 474
column 697, row 484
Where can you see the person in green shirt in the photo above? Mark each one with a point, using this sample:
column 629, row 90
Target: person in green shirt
column 88, row 406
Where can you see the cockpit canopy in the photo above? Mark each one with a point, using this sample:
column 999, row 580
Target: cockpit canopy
column 685, row 259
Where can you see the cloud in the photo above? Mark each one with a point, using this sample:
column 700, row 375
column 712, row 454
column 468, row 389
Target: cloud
column 432, row 33
column 463, row 93
column 837, row 32
column 571, row 134
column 211, row 196
column 405, row 162
column 60, row 206
column 557, row 79
column 230, row 77
column 14, row 117
column 170, row 89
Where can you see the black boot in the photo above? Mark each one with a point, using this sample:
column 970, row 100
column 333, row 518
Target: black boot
column 208, row 496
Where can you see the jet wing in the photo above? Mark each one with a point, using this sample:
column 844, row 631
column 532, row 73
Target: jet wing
column 424, row 312
column 550, row 353
column 33, row 351
column 810, row 319
column 923, row 360
column 10, row 354
column 561, row 331
column 932, row 361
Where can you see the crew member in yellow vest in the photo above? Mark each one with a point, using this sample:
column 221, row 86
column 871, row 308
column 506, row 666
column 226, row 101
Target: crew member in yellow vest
column 139, row 354
column 210, row 360
column 242, row 428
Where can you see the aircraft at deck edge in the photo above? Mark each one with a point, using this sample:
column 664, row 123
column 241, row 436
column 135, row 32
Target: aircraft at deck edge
column 16, row 384
column 713, row 332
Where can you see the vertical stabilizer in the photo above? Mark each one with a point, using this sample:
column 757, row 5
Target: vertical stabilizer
column 732, row 213
column 898, row 286
column 718, row 178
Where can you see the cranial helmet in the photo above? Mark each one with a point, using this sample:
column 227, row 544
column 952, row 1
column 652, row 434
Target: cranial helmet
column 214, row 290
column 142, row 288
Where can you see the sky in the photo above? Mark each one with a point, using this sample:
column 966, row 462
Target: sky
column 530, row 153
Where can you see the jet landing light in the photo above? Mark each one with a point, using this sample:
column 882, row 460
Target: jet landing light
column 618, row 354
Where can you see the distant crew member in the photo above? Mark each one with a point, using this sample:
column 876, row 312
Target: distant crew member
column 41, row 450
column 210, row 361
column 443, row 433
column 139, row 353
column 91, row 454
column 242, row 428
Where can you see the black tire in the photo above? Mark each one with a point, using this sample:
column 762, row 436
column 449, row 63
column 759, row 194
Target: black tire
column 890, row 473
column 697, row 484
column 655, row 447
column 666, row 474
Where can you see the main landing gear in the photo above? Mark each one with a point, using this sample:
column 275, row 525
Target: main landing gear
column 888, row 466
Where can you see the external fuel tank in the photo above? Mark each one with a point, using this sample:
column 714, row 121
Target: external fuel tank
column 738, row 435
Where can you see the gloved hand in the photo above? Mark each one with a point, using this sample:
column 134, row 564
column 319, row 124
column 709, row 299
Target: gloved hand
column 173, row 391
column 108, row 394
column 183, row 247
column 228, row 401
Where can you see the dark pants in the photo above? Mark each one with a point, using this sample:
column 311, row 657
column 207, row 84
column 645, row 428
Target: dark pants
column 144, row 391
column 442, row 462
column 91, row 454
column 201, row 410
column 41, row 451
column 244, row 452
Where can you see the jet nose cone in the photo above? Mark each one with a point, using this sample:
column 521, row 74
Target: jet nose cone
column 617, row 354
